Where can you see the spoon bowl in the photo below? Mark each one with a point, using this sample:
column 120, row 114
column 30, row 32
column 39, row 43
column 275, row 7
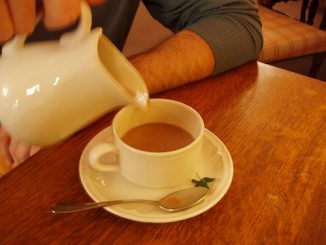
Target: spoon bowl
column 173, row 202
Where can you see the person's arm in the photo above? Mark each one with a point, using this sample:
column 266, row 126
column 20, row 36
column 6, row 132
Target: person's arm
column 212, row 36
column 184, row 57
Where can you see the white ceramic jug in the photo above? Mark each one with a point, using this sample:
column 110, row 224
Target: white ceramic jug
column 49, row 90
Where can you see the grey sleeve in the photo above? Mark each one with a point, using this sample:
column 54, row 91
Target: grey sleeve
column 232, row 28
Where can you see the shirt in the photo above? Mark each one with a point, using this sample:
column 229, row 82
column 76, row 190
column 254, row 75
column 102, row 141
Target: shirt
column 232, row 28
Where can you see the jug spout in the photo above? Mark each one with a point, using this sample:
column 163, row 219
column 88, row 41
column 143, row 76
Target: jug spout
column 123, row 72
column 50, row 90
column 72, row 87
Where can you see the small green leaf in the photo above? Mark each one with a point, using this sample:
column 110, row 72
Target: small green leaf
column 194, row 181
column 207, row 179
column 203, row 182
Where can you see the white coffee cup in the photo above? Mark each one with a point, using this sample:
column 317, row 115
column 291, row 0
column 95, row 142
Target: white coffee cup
column 152, row 169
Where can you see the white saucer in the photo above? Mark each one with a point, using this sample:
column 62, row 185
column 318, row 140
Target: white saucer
column 102, row 186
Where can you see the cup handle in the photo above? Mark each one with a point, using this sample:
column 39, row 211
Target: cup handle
column 98, row 151
column 67, row 39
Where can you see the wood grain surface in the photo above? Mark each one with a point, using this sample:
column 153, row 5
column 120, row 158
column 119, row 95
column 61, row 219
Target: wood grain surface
column 273, row 123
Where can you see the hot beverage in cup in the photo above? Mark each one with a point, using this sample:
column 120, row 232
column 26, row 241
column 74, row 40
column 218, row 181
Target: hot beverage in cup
column 157, row 137
column 159, row 147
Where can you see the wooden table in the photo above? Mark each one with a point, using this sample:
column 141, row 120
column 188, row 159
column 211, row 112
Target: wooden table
column 274, row 125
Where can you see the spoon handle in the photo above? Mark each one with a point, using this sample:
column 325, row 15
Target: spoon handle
column 75, row 207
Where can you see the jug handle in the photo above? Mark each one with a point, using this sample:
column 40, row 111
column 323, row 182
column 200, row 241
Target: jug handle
column 18, row 41
column 83, row 29
column 67, row 39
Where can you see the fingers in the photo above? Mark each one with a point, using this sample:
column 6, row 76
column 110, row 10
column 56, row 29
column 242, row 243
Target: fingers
column 6, row 25
column 34, row 150
column 14, row 150
column 4, row 145
column 18, row 16
column 95, row 2
column 23, row 14
column 60, row 13
column 19, row 151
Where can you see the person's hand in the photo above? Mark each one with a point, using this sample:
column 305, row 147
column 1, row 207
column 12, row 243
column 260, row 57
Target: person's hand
column 14, row 150
column 19, row 16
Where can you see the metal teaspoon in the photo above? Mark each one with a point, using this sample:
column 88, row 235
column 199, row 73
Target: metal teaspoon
column 176, row 201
